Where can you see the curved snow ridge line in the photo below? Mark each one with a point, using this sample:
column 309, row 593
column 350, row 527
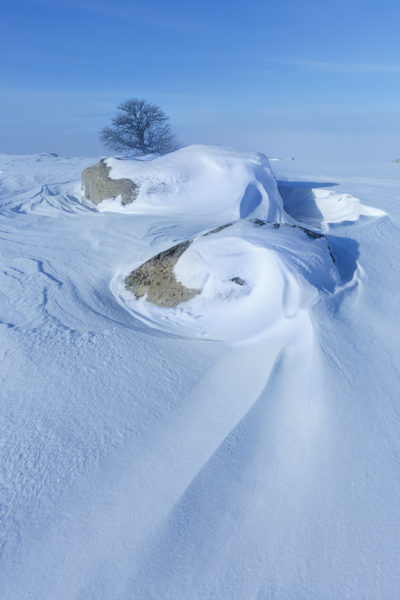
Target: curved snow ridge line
column 8, row 206
column 51, row 200
column 86, row 307
column 242, row 379
column 43, row 183
column 35, row 299
column 136, row 483
column 27, row 284
column 42, row 293
column 271, row 454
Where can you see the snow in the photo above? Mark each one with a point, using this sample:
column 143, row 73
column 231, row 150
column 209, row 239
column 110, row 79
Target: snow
column 244, row 445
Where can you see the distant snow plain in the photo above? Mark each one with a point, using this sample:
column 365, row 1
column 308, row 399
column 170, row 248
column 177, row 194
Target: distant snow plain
column 243, row 445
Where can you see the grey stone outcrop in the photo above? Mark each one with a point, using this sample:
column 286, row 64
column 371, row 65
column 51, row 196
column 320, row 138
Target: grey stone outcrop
column 156, row 279
column 98, row 186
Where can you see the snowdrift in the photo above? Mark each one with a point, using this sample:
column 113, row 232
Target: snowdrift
column 323, row 208
column 220, row 183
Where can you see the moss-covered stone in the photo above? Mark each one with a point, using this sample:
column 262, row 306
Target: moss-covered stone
column 98, row 186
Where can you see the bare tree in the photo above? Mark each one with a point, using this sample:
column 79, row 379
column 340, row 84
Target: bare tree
column 139, row 127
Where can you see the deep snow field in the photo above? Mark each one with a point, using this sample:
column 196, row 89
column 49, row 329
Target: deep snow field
column 243, row 446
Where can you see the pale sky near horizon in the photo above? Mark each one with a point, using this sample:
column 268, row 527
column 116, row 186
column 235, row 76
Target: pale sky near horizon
column 319, row 81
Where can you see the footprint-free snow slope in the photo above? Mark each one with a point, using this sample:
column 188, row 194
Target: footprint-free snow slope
column 137, row 462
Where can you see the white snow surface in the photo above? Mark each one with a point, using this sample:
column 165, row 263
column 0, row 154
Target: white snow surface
column 241, row 446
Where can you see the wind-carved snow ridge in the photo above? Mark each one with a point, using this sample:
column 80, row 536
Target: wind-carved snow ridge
column 320, row 208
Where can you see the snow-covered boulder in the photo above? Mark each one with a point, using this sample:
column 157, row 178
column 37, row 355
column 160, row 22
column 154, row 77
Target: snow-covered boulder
column 215, row 183
column 231, row 282
column 98, row 185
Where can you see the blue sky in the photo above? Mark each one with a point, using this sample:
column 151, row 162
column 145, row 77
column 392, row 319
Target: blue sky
column 313, row 79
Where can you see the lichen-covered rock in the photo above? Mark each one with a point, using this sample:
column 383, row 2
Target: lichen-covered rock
column 98, row 186
column 156, row 279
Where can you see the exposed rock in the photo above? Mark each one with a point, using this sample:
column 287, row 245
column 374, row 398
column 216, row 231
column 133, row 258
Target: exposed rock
column 98, row 186
column 156, row 279
column 217, row 229
column 238, row 280
column 259, row 222
column 314, row 235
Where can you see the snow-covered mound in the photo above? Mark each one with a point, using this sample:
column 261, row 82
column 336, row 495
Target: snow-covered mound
column 251, row 276
column 222, row 183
